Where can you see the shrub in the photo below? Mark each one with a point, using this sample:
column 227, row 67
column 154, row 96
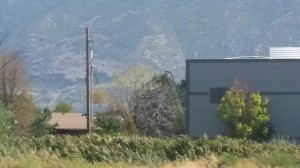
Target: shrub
column 109, row 124
column 6, row 122
column 116, row 116
column 40, row 125
column 246, row 113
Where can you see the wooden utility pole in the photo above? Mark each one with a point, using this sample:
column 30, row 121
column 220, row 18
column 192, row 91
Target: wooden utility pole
column 88, row 63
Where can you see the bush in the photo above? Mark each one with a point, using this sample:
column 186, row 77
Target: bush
column 109, row 124
column 40, row 125
column 246, row 113
column 6, row 122
column 117, row 117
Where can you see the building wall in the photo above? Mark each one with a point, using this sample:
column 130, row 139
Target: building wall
column 277, row 79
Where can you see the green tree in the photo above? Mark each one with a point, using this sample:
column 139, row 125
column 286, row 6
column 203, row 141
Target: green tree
column 63, row 107
column 6, row 121
column 245, row 112
column 117, row 117
column 40, row 125
column 109, row 124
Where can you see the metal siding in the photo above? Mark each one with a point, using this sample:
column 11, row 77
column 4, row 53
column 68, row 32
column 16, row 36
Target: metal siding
column 203, row 118
column 278, row 79
column 262, row 76
column 285, row 114
column 285, row 52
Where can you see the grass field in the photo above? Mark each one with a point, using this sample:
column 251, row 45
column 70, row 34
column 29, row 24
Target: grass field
column 32, row 161
column 133, row 151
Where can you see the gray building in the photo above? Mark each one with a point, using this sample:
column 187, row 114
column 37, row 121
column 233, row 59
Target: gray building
column 208, row 79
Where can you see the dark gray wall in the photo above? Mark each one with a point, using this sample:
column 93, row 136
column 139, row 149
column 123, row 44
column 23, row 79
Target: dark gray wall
column 277, row 79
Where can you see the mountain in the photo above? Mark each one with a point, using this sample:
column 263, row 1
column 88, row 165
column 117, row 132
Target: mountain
column 50, row 35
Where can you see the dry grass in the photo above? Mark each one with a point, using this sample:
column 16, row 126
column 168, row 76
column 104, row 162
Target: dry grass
column 213, row 162
column 32, row 161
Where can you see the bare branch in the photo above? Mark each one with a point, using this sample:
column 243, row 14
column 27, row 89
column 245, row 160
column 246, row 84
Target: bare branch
column 3, row 39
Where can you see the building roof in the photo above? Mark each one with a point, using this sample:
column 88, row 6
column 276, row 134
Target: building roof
column 68, row 121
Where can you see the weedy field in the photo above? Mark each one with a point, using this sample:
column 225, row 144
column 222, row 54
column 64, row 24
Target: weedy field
column 138, row 151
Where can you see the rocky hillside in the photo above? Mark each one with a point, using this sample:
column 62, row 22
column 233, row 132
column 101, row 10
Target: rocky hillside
column 160, row 33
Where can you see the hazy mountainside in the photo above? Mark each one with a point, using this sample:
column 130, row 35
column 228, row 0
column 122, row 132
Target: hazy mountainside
column 159, row 33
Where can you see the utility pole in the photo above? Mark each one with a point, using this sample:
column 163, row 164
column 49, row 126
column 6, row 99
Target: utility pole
column 92, row 86
column 88, row 68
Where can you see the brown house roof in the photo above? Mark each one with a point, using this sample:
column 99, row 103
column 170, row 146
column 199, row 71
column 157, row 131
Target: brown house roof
column 68, row 121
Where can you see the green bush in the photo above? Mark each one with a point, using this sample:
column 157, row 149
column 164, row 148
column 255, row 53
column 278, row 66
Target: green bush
column 115, row 119
column 40, row 125
column 245, row 113
column 6, row 122
column 109, row 124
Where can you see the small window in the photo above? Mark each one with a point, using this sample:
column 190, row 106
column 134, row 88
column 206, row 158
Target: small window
column 216, row 94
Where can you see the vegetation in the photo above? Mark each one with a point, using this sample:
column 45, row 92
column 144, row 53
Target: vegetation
column 246, row 113
column 24, row 112
column 115, row 119
column 109, row 124
column 15, row 92
column 130, row 82
column 139, row 150
column 63, row 107
column 228, row 159
column 100, row 95
column 40, row 125
column 151, row 104
column 6, row 122
column 157, row 107
column 181, row 92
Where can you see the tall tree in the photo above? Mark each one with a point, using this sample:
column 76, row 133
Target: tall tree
column 157, row 108
column 132, row 81
column 13, row 77
column 15, row 91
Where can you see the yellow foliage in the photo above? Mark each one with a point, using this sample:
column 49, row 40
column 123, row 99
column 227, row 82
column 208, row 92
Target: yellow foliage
column 100, row 95
column 133, row 78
